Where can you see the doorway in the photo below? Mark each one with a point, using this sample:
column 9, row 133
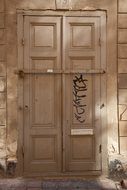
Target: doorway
column 62, row 75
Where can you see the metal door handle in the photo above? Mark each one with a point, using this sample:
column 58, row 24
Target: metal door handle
column 26, row 107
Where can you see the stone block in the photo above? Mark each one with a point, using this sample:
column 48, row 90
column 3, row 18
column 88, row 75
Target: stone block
column 2, row 100
column 2, row 170
column 2, row 117
column 122, row 36
column 15, row 188
column 92, row 4
column 2, row 142
column 34, row 184
column 13, row 183
column 123, row 145
column 11, row 147
column 2, row 20
column 3, row 154
column 2, row 53
column 62, row 4
column 123, row 128
column 11, row 33
column 35, row 188
column 123, row 112
column 122, row 81
column 122, row 5
column 123, row 96
column 29, row 4
column 2, row 138
column 78, row 184
column 122, row 51
column 122, row 20
column 2, row 84
column 122, row 65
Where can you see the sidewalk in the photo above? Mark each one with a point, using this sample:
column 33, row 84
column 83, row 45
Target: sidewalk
column 62, row 184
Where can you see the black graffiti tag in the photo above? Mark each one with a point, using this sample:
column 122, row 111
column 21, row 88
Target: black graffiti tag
column 79, row 89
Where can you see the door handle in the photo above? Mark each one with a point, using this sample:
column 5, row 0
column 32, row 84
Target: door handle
column 26, row 107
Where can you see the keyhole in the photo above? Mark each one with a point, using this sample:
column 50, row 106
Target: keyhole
column 26, row 107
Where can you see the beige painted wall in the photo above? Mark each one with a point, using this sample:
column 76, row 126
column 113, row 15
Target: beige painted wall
column 11, row 58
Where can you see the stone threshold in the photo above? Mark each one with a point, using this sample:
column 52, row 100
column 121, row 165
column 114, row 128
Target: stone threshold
column 58, row 184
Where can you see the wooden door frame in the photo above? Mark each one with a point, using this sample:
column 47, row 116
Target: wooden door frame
column 20, row 41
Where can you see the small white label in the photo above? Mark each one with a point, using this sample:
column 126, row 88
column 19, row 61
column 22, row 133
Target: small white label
column 81, row 131
column 49, row 70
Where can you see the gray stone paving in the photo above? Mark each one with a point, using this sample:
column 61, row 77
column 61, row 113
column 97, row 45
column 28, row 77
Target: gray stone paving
column 78, row 185
column 29, row 184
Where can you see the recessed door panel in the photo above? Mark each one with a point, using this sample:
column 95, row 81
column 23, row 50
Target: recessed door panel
column 43, row 100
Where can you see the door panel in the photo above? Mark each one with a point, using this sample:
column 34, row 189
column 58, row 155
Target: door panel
column 43, row 101
column 42, row 97
column 82, row 113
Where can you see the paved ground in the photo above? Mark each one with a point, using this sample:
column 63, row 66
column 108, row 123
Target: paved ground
column 67, row 184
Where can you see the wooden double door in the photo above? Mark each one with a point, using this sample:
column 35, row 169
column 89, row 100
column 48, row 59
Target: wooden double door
column 62, row 74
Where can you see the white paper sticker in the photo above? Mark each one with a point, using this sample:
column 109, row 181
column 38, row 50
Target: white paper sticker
column 49, row 70
column 81, row 131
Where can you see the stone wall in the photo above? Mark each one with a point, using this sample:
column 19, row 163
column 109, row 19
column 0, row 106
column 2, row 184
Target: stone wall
column 3, row 90
column 122, row 74
column 121, row 159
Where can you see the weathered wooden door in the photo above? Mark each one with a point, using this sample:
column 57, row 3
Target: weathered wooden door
column 82, row 122
column 62, row 94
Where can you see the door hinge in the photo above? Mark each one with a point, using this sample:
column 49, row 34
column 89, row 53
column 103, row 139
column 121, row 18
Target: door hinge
column 100, row 148
column 23, row 151
column 23, row 41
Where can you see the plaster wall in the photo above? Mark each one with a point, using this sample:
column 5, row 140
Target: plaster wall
column 9, row 81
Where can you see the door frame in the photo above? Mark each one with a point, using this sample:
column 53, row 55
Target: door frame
column 20, row 43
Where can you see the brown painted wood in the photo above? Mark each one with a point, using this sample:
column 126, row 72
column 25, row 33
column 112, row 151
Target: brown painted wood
column 58, row 98
column 42, row 95
column 82, row 52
